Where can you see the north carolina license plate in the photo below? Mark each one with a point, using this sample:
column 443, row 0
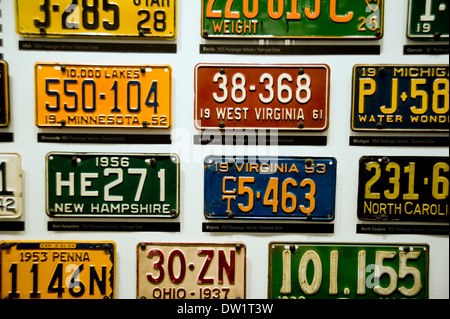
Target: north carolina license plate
column 428, row 20
column 348, row 271
column 270, row 188
column 321, row 19
column 191, row 271
column 402, row 188
column 113, row 185
column 137, row 19
column 283, row 97
column 405, row 98
column 10, row 186
column 91, row 96
column 4, row 98
column 57, row 270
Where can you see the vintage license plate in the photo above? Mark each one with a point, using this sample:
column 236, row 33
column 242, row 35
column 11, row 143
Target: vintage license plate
column 401, row 188
column 191, row 271
column 138, row 19
column 320, row 19
column 407, row 98
column 428, row 20
column 113, row 185
column 270, row 188
column 283, row 97
column 92, row 96
column 348, row 271
column 4, row 98
column 57, row 270
column 10, row 186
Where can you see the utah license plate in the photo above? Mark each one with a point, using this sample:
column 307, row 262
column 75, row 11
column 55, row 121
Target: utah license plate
column 405, row 98
column 57, row 270
column 191, row 271
column 270, row 188
column 348, row 271
column 113, row 185
column 4, row 98
column 10, row 186
column 428, row 20
column 283, row 97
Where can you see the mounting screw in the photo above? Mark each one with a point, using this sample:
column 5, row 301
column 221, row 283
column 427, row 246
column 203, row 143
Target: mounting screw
column 382, row 70
column 436, row 36
column 145, row 124
column 63, row 68
column 230, row 214
column 173, row 212
column 378, row 34
column 51, row 211
column 221, row 124
column 300, row 125
column 238, row 247
column 406, row 249
column 63, row 123
column 205, row 34
column 153, row 161
column 385, row 160
column 42, row 30
column 292, row 248
column 142, row 246
column 222, row 71
column 74, row 160
column 380, row 126
column 301, row 71
column 309, row 162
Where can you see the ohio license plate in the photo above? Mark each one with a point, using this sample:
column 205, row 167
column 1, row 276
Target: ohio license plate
column 113, row 185
column 283, row 97
column 4, row 98
column 406, row 98
column 10, row 186
column 353, row 271
column 191, row 271
column 91, row 96
column 57, row 270
column 428, row 20
column 138, row 19
column 270, row 188
column 322, row 19
column 403, row 188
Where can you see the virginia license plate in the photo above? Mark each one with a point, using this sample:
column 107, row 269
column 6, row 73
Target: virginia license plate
column 407, row 98
column 403, row 188
column 113, row 185
column 10, row 186
column 428, row 20
column 57, row 270
column 138, row 19
column 270, row 188
column 283, row 97
column 191, row 271
column 103, row 96
column 4, row 98
column 348, row 271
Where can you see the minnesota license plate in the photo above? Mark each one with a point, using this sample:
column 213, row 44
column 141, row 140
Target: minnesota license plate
column 407, row 98
column 270, row 188
column 137, row 19
column 57, row 270
column 295, row 19
column 10, row 186
column 283, row 97
column 403, row 188
column 191, row 271
column 4, row 98
column 348, row 271
column 428, row 20
column 103, row 96
column 113, row 185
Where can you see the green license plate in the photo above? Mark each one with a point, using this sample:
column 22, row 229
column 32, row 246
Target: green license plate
column 4, row 99
column 113, row 185
column 353, row 271
column 428, row 20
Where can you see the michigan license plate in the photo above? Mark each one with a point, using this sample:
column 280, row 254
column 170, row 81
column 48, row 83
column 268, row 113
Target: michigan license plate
column 403, row 188
column 4, row 98
column 113, row 185
column 428, row 20
column 270, row 188
column 191, row 271
column 10, row 186
column 57, row 270
column 283, row 97
column 407, row 98
column 348, row 271
column 138, row 19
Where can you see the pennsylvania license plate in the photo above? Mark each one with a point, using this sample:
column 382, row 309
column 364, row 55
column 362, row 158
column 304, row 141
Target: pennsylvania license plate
column 283, row 97
column 428, row 20
column 406, row 98
column 91, row 96
column 191, row 271
column 348, row 271
column 400, row 188
column 4, row 98
column 57, row 270
column 137, row 19
column 113, row 185
column 295, row 19
column 270, row 188
column 10, row 186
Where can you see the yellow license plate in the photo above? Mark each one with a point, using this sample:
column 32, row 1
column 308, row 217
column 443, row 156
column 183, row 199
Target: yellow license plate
column 57, row 270
column 103, row 96
column 140, row 19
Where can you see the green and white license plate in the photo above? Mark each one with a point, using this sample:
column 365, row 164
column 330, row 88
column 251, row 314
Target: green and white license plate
column 428, row 20
column 4, row 98
column 10, row 186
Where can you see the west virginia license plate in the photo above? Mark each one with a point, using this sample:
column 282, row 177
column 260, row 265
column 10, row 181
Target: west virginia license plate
column 428, row 20
column 4, row 96
column 10, row 186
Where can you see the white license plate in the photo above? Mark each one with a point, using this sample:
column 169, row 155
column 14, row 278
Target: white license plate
column 10, row 186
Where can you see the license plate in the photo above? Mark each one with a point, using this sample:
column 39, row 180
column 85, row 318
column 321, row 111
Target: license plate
column 103, row 96
column 270, row 188
column 113, row 185
column 348, row 271
column 191, row 271
column 4, row 99
column 428, row 20
column 138, row 19
column 401, row 188
column 407, row 98
column 10, row 186
column 320, row 19
column 283, row 97
column 57, row 270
